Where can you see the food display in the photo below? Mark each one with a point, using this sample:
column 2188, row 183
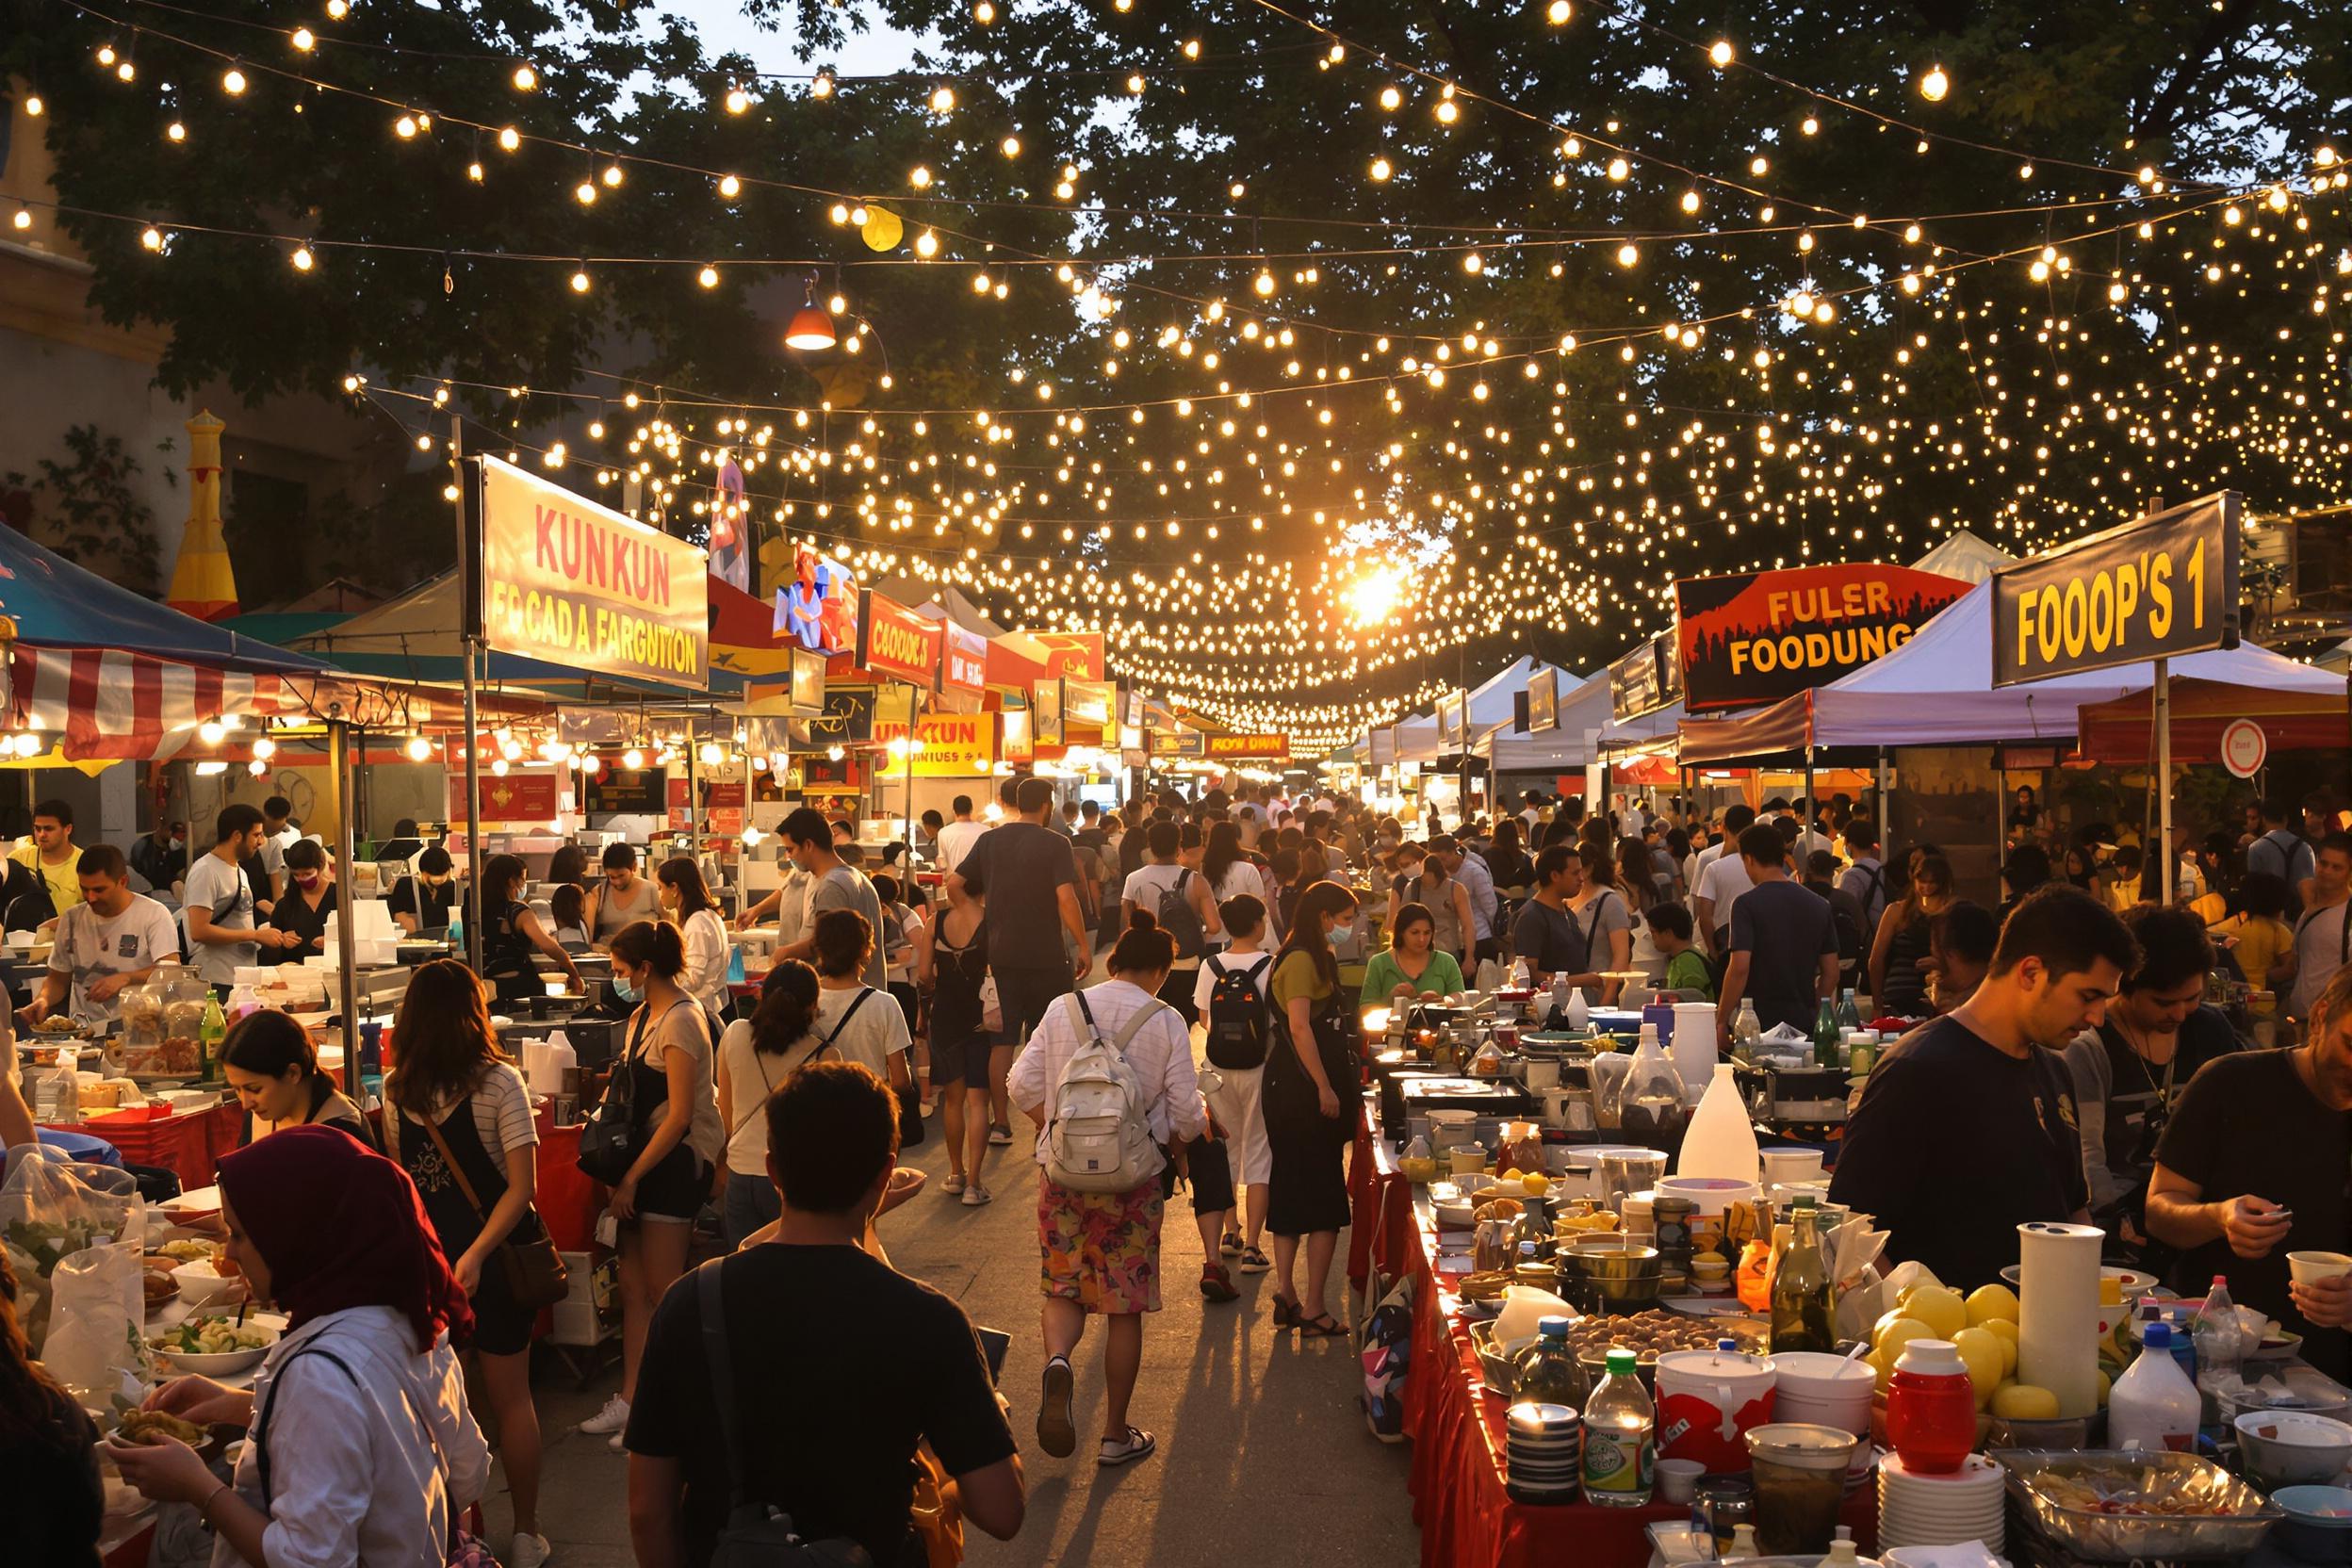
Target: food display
column 213, row 1336
column 45, row 1241
column 2120, row 1507
column 1648, row 1335
column 187, row 1249
column 149, row 1426
column 60, row 1026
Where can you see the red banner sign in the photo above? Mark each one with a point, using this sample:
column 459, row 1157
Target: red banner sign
column 966, row 665
column 893, row 641
column 517, row 797
column 1757, row 637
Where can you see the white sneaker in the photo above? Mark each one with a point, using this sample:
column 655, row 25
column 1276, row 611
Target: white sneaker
column 976, row 1195
column 612, row 1418
column 528, row 1551
column 615, row 1443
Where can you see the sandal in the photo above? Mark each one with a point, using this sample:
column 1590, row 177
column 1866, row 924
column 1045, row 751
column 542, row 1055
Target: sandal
column 1285, row 1310
column 954, row 1184
column 1254, row 1260
column 1230, row 1245
column 1321, row 1325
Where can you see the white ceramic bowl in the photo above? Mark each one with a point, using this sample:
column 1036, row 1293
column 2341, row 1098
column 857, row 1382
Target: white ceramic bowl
column 2290, row 1447
column 202, row 1285
column 222, row 1365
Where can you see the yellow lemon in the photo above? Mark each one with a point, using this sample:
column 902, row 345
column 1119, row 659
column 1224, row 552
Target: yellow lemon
column 1992, row 1304
column 1537, row 1183
column 1884, row 1368
column 1890, row 1334
column 1982, row 1352
column 2005, row 1331
column 1941, row 1310
column 1509, row 1174
column 2025, row 1402
column 2104, row 1384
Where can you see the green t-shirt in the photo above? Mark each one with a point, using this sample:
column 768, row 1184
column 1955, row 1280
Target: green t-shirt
column 1383, row 974
column 1296, row 976
column 1687, row 972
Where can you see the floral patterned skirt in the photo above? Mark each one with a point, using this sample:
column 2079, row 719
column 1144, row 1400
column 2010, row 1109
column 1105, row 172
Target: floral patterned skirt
column 1101, row 1249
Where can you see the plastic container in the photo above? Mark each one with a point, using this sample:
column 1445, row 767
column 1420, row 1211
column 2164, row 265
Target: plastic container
column 1619, row 1437
column 1800, row 1474
column 2154, row 1405
column 1721, row 1141
column 1652, row 1108
column 1931, row 1407
column 1823, row 1391
column 1708, row 1402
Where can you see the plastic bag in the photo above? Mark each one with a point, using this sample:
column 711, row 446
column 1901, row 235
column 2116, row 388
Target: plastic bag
column 97, row 1320
column 52, row 1209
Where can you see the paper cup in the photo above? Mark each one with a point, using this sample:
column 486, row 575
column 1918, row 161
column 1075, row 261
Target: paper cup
column 2309, row 1269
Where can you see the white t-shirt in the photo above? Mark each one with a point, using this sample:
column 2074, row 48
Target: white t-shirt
column 956, row 841
column 219, row 888
column 876, row 1032
column 707, row 948
column 90, row 947
column 687, row 1028
column 1145, row 885
column 750, row 1079
column 502, row 1118
column 1724, row 879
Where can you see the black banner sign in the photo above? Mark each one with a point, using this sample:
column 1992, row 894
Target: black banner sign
column 2166, row 584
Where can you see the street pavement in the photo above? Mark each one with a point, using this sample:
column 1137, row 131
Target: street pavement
column 1263, row 1456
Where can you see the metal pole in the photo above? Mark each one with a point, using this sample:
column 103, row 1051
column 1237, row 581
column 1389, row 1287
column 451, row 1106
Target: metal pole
column 2162, row 850
column 471, row 643
column 1812, row 808
column 1878, row 776
column 347, row 924
column 913, row 696
column 694, row 760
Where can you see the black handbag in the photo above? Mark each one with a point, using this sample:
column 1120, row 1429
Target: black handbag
column 609, row 1139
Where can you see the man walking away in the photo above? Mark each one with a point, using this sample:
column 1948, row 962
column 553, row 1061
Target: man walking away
column 957, row 837
column 2281, row 853
column 703, row 1438
column 1866, row 879
column 1784, row 941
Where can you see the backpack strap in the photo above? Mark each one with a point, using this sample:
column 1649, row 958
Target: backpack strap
column 261, row 1427
column 718, row 1358
column 1215, row 966
column 839, row 1025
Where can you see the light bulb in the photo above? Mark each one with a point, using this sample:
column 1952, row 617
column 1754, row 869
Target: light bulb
column 231, row 81
column 710, row 753
column 833, row 753
column 943, row 100
column 1010, row 146
column 257, row 768
column 1379, row 169
column 418, row 748
column 339, row 9
column 23, row 219
column 1934, row 85
column 737, row 100
column 303, row 39
column 585, row 192
column 404, row 127
column 498, row 767
column 632, row 758
column 211, row 731
column 1720, row 53
column 613, row 176
column 304, row 261
column 176, row 132
column 1559, row 12
column 708, row 277
column 926, row 244
column 729, row 187
column 525, row 79
column 510, row 139
column 579, row 282
column 823, row 85
column 152, row 238
column 1627, row 254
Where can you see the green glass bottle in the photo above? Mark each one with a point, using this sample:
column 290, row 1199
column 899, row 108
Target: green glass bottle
column 1802, row 1318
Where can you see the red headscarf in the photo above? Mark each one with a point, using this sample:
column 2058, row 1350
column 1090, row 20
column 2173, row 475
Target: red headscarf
column 341, row 1226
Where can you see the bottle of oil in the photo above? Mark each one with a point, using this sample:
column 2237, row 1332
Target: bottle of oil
column 1802, row 1316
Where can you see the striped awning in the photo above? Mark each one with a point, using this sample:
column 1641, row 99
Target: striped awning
column 114, row 705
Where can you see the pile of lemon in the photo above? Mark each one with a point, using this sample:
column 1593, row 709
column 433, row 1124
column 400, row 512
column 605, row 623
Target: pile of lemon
column 1983, row 1326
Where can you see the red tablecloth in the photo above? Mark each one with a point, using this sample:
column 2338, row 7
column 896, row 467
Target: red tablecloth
column 568, row 1202
column 189, row 1144
column 1467, row 1518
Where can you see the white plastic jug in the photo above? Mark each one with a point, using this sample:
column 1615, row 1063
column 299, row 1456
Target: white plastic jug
column 555, row 1063
column 1721, row 1140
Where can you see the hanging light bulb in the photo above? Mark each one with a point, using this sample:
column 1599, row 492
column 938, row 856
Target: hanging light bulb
column 264, row 747
column 211, row 731
column 418, row 748
column 1718, row 53
column 737, row 100
column 633, row 758
column 1934, row 84
column 303, row 39
column 525, row 79
column 711, row 755
column 810, row 330
column 233, row 81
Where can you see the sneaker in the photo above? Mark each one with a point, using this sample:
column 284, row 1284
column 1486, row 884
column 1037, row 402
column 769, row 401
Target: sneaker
column 952, row 1185
column 1000, row 1135
column 1215, row 1285
column 1057, row 1435
column 976, row 1195
column 1137, row 1444
column 615, row 1443
column 528, row 1551
column 1254, row 1260
column 612, row 1418
column 929, row 1107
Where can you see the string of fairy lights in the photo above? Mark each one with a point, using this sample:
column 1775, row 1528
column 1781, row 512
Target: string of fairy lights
column 1308, row 520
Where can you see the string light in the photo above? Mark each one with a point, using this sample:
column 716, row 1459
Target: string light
column 1933, row 84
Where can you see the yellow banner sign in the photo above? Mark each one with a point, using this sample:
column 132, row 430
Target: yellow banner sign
column 578, row 584
column 955, row 745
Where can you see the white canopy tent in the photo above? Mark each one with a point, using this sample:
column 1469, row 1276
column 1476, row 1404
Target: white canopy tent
column 1965, row 556
column 1583, row 710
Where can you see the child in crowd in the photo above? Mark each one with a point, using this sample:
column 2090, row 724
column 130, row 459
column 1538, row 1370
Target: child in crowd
column 1686, row 969
column 569, row 905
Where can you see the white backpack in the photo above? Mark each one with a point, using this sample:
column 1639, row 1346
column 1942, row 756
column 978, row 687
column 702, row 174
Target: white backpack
column 1098, row 1140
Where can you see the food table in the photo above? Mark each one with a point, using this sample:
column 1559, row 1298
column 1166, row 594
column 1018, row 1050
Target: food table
column 187, row 1143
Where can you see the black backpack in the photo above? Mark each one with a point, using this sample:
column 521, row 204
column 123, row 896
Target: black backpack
column 1237, row 1016
column 1180, row 919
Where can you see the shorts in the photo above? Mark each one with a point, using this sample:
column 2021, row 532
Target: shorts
column 1209, row 1170
column 1024, row 994
column 1101, row 1249
column 965, row 1061
column 674, row 1191
column 501, row 1327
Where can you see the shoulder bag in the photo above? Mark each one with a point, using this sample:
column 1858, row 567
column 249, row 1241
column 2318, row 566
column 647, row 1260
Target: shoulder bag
column 756, row 1535
column 534, row 1269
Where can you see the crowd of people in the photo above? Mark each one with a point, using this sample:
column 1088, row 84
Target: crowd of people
column 1212, row 1047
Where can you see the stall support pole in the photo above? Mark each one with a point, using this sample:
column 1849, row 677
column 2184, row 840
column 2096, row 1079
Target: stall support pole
column 1878, row 776
column 913, row 696
column 466, row 582
column 1812, row 812
column 346, row 900
column 694, row 790
column 2162, row 847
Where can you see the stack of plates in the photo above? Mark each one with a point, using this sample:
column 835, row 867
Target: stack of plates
column 1916, row 1510
column 1544, row 1453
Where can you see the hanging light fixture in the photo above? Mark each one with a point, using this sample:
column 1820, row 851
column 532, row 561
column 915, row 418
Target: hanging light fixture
column 811, row 329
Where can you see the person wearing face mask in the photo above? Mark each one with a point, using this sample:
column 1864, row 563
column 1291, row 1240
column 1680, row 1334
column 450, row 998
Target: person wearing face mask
column 2129, row 1071
column 161, row 856
column 1310, row 1088
column 309, row 899
column 510, row 934
column 687, row 903
column 1987, row 1077
column 426, row 901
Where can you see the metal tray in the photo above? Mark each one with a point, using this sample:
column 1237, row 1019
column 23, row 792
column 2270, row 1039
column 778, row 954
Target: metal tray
column 2123, row 1536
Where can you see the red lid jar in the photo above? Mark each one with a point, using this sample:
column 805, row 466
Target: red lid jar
column 1931, row 1407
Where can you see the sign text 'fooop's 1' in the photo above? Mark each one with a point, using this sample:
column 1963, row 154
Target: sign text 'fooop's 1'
column 2164, row 585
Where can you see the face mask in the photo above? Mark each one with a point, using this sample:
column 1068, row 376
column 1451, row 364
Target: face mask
column 306, row 880
column 1344, row 930
column 622, row 988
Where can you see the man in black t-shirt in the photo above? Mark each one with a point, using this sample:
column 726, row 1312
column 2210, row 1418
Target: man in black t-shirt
column 1967, row 1127
column 426, row 901
column 1028, row 874
column 825, row 1436
column 2253, row 1167
column 1784, row 947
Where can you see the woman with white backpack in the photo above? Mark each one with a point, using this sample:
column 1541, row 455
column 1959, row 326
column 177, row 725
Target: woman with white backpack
column 1108, row 1076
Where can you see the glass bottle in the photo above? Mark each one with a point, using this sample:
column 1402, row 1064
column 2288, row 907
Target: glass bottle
column 1827, row 1039
column 209, row 1034
column 1848, row 1014
column 1546, row 1371
column 1745, row 1027
column 1619, row 1437
column 1802, row 1318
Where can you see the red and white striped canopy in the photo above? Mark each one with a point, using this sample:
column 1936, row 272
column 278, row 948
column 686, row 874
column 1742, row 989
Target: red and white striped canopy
column 114, row 705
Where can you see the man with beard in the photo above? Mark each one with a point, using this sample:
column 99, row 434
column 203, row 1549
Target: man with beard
column 1967, row 1127
column 2130, row 1072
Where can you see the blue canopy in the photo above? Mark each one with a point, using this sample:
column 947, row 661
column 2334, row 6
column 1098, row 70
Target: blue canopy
column 57, row 604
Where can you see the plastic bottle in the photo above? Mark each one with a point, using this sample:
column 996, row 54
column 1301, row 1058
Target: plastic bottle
column 1849, row 1015
column 1746, row 1028
column 1721, row 1140
column 1619, row 1437
column 2154, row 1405
column 241, row 1002
column 209, row 1034
column 1842, row 1552
column 1579, row 1011
column 1653, row 1094
column 1546, row 1371
column 1742, row 1541
column 2220, row 1344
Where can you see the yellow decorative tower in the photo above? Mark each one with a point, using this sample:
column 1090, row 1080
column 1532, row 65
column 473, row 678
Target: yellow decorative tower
column 203, row 583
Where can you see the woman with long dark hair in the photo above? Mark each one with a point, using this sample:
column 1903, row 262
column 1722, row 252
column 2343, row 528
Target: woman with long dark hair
column 1311, row 1081
column 756, row 1054
column 1513, row 869
column 57, row 1503
column 667, row 1056
column 1413, row 962
column 274, row 1070
column 510, row 934
column 1898, row 985
column 1604, row 912
column 687, row 903
column 465, row 1136
column 965, row 1055
column 1229, row 874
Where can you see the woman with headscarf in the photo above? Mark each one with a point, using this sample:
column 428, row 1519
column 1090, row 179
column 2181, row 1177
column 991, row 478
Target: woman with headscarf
column 360, row 1446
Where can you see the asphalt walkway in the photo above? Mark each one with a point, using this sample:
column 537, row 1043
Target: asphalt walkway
column 1263, row 1457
